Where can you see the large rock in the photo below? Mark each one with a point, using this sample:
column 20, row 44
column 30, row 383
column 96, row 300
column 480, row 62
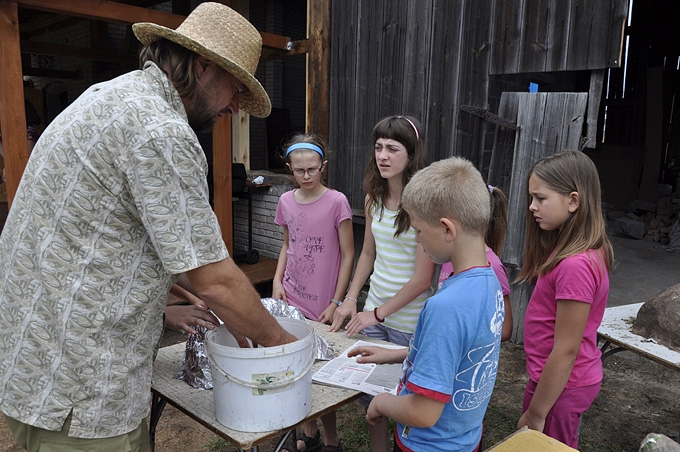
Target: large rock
column 659, row 318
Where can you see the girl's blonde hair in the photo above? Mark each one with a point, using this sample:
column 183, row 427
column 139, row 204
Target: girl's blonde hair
column 407, row 131
column 566, row 172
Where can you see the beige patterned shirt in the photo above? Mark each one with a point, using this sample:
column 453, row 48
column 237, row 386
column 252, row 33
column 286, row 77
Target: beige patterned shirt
column 113, row 203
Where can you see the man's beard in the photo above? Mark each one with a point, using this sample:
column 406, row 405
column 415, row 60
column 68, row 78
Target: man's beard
column 200, row 116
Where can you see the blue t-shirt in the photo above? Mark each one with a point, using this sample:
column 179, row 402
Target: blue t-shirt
column 453, row 358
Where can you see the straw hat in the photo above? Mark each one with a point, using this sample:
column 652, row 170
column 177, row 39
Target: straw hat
column 220, row 34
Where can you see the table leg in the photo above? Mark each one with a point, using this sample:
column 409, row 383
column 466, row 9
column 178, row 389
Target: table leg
column 284, row 438
column 157, row 406
column 606, row 353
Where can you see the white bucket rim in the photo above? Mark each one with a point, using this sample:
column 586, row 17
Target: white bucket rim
column 250, row 353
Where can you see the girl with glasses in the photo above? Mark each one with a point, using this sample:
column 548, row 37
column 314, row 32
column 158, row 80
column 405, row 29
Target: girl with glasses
column 316, row 259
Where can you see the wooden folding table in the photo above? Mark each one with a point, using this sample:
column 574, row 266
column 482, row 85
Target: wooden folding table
column 199, row 404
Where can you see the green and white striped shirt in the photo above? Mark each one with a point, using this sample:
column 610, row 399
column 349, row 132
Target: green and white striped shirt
column 395, row 259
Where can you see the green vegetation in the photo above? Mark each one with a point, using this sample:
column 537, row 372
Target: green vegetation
column 217, row 445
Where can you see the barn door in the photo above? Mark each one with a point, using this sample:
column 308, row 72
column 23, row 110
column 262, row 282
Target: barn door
column 548, row 123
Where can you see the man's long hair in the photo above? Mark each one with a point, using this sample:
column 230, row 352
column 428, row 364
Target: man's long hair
column 176, row 61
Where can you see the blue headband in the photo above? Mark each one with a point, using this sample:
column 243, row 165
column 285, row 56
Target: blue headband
column 310, row 146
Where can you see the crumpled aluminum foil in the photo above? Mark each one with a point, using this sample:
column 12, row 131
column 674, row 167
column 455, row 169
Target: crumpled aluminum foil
column 196, row 368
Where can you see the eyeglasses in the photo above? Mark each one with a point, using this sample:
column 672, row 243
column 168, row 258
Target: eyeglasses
column 311, row 171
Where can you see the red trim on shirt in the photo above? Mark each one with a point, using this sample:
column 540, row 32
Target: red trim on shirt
column 430, row 394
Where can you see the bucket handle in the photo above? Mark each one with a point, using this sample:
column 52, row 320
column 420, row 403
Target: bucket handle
column 250, row 384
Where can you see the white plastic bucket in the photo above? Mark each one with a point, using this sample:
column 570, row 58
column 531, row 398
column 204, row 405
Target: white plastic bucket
column 265, row 388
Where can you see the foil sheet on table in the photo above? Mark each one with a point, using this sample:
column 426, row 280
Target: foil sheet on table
column 195, row 368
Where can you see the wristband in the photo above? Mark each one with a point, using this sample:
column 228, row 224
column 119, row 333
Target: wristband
column 375, row 313
column 338, row 302
column 351, row 298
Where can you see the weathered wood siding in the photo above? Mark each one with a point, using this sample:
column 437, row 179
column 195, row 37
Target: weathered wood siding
column 427, row 58
column 556, row 35
column 421, row 58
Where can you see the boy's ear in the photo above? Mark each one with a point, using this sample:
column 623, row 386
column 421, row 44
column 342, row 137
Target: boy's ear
column 449, row 226
column 574, row 201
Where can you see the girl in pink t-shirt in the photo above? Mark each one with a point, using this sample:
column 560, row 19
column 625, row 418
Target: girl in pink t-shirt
column 570, row 256
column 316, row 259
column 495, row 235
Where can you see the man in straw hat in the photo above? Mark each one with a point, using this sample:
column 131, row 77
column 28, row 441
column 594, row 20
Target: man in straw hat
column 113, row 210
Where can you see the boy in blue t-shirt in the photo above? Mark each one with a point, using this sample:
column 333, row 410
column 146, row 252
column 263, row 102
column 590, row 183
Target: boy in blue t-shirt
column 451, row 364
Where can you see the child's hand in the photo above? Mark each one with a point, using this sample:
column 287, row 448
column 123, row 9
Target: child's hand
column 327, row 314
column 359, row 322
column 183, row 294
column 182, row 317
column 347, row 309
column 534, row 422
column 278, row 292
column 378, row 355
column 373, row 415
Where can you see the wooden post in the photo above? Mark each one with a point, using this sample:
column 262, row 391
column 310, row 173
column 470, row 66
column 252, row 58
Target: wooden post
column 240, row 139
column 12, row 113
column 594, row 97
column 222, row 180
column 318, row 67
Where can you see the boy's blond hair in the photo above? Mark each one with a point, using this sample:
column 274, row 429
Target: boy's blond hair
column 451, row 188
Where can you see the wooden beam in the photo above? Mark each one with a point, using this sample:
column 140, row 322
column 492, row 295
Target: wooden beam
column 488, row 116
column 12, row 111
column 318, row 67
column 128, row 14
column 275, row 41
column 104, row 10
column 296, row 48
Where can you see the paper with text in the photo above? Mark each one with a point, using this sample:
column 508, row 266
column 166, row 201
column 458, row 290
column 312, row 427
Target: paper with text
column 371, row 379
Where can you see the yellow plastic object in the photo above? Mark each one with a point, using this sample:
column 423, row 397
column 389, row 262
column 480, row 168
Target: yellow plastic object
column 525, row 440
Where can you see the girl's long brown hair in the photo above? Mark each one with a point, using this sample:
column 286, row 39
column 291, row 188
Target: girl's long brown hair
column 585, row 229
column 407, row 131
column 498, row 222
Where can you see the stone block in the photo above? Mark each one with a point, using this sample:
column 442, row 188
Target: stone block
column 631, row 227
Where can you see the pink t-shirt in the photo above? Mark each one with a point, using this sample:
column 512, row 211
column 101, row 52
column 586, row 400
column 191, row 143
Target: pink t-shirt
column 582, row 277
column 313, row 258
column 496, row 264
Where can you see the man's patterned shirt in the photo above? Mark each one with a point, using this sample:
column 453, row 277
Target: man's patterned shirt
column 112, row 205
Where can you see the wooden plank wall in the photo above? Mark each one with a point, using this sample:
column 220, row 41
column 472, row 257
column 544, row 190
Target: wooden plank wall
column 428, row 58
column 424, row 59
column 556, row 35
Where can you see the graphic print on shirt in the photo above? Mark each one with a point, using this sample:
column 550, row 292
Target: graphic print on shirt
column 304, row 248
column 482, row 365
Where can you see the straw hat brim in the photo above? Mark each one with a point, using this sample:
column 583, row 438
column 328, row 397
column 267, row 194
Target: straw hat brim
column 254, row 101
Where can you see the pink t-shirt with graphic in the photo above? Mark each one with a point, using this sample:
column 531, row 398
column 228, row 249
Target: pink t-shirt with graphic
column 313, row 258
column 582, row 277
